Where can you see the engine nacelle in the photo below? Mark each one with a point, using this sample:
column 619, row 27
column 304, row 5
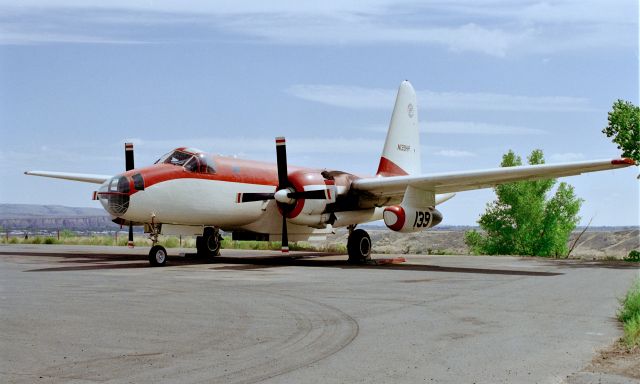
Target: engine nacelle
column 311, row 212
column 401, row 218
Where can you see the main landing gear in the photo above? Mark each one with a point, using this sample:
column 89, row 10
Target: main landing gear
column 358, row 245
column 208, row 245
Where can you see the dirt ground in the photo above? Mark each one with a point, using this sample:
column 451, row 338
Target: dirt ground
column 617, row 359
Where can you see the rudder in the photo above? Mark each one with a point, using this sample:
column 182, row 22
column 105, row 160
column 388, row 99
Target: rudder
column 401, row 153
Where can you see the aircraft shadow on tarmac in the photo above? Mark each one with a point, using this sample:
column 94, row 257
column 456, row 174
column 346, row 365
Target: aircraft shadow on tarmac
column 95, row 261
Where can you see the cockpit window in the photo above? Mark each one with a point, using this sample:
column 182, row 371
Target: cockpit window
column 207, row 164
column 197, row 162
column 192, row 165
column 200, row 163
column 175, row 157
column 163, row 158
column 178, row 158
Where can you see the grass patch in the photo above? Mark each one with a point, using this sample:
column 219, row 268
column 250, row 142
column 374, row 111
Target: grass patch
column 629, row 315
column 170, row 242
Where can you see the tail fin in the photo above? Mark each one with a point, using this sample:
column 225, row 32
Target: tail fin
column 401, row 154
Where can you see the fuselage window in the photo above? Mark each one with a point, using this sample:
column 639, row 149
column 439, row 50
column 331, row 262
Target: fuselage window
column 138, row 182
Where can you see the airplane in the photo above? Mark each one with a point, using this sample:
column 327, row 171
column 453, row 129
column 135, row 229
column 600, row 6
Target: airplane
column 190, row 192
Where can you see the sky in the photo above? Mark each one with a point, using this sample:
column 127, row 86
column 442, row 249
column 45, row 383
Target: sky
column 79, row 78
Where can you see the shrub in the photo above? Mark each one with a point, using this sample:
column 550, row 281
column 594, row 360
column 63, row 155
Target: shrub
column 629, row 315
column 633, row 256
column 632, row 331
column 50, row 240
column 171, row 242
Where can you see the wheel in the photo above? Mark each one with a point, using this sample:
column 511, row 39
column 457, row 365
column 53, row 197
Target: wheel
column 157, row 256
column 208, row 245
column 359, row 246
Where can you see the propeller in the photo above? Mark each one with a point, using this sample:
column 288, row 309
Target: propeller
column 285, row 194
column 283, row 185
column 128, row 158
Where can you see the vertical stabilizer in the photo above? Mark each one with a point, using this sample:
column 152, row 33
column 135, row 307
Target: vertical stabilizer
column 401, row 154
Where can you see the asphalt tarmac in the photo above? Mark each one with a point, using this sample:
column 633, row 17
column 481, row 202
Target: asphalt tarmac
column 100, row 314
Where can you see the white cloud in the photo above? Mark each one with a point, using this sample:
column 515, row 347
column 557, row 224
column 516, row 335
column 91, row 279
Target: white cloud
column 566, row 157
column 344, row 96
column 265, row 147
column 107, row 158
column 496, row 28
column 378, row 98
column 474, row 128
column 27, row 38
column 454, row 153
column 464, row 128
column 467, row 37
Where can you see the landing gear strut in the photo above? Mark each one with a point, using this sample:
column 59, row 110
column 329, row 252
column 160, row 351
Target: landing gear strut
column 157, row 254
column 208, row 245
column 358, row 246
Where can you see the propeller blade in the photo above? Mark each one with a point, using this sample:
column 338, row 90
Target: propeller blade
column 250, row 196
column 281, row 156
column 285, row 238
column 283, row 182
column 130, row 243
column 128, row 156
column 311, row 195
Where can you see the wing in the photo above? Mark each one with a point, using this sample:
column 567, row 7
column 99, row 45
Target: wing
column 395, row 186
column 84, row 177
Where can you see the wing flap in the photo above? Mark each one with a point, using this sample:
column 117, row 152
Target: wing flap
column 487, row 178
column 84, row 177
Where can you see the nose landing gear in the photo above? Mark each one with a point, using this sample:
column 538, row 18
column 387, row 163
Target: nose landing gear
column 157, row 254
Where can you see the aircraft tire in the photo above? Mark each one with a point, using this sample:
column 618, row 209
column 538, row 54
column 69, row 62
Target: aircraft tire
column 209, row 244
column 359, row 246
column 158, row 256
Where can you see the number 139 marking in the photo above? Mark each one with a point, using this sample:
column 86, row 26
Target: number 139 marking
column 422, row 219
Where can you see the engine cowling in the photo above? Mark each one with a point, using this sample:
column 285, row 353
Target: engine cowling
column 311, row 211
column 403, row 218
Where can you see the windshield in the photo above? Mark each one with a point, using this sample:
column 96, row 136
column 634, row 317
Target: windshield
column 198, row 162
column 175, row 158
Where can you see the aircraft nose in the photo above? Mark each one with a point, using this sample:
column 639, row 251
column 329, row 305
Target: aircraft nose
column 114, row 195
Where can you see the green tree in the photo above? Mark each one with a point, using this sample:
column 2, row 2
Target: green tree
column 624, row 127
column 522, row 220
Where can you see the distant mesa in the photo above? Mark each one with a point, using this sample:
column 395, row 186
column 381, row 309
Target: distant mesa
column 52, row 217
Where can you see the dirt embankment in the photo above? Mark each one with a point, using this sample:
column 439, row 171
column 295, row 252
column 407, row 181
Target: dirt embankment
column 592, row 244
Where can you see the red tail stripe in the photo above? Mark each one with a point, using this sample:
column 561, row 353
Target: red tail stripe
column 389, row 168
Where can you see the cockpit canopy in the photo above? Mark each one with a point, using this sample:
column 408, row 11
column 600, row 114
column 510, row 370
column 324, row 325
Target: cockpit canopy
column 193, row 160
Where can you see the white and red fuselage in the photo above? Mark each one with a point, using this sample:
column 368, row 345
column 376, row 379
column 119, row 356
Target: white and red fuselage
column 188, row 187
